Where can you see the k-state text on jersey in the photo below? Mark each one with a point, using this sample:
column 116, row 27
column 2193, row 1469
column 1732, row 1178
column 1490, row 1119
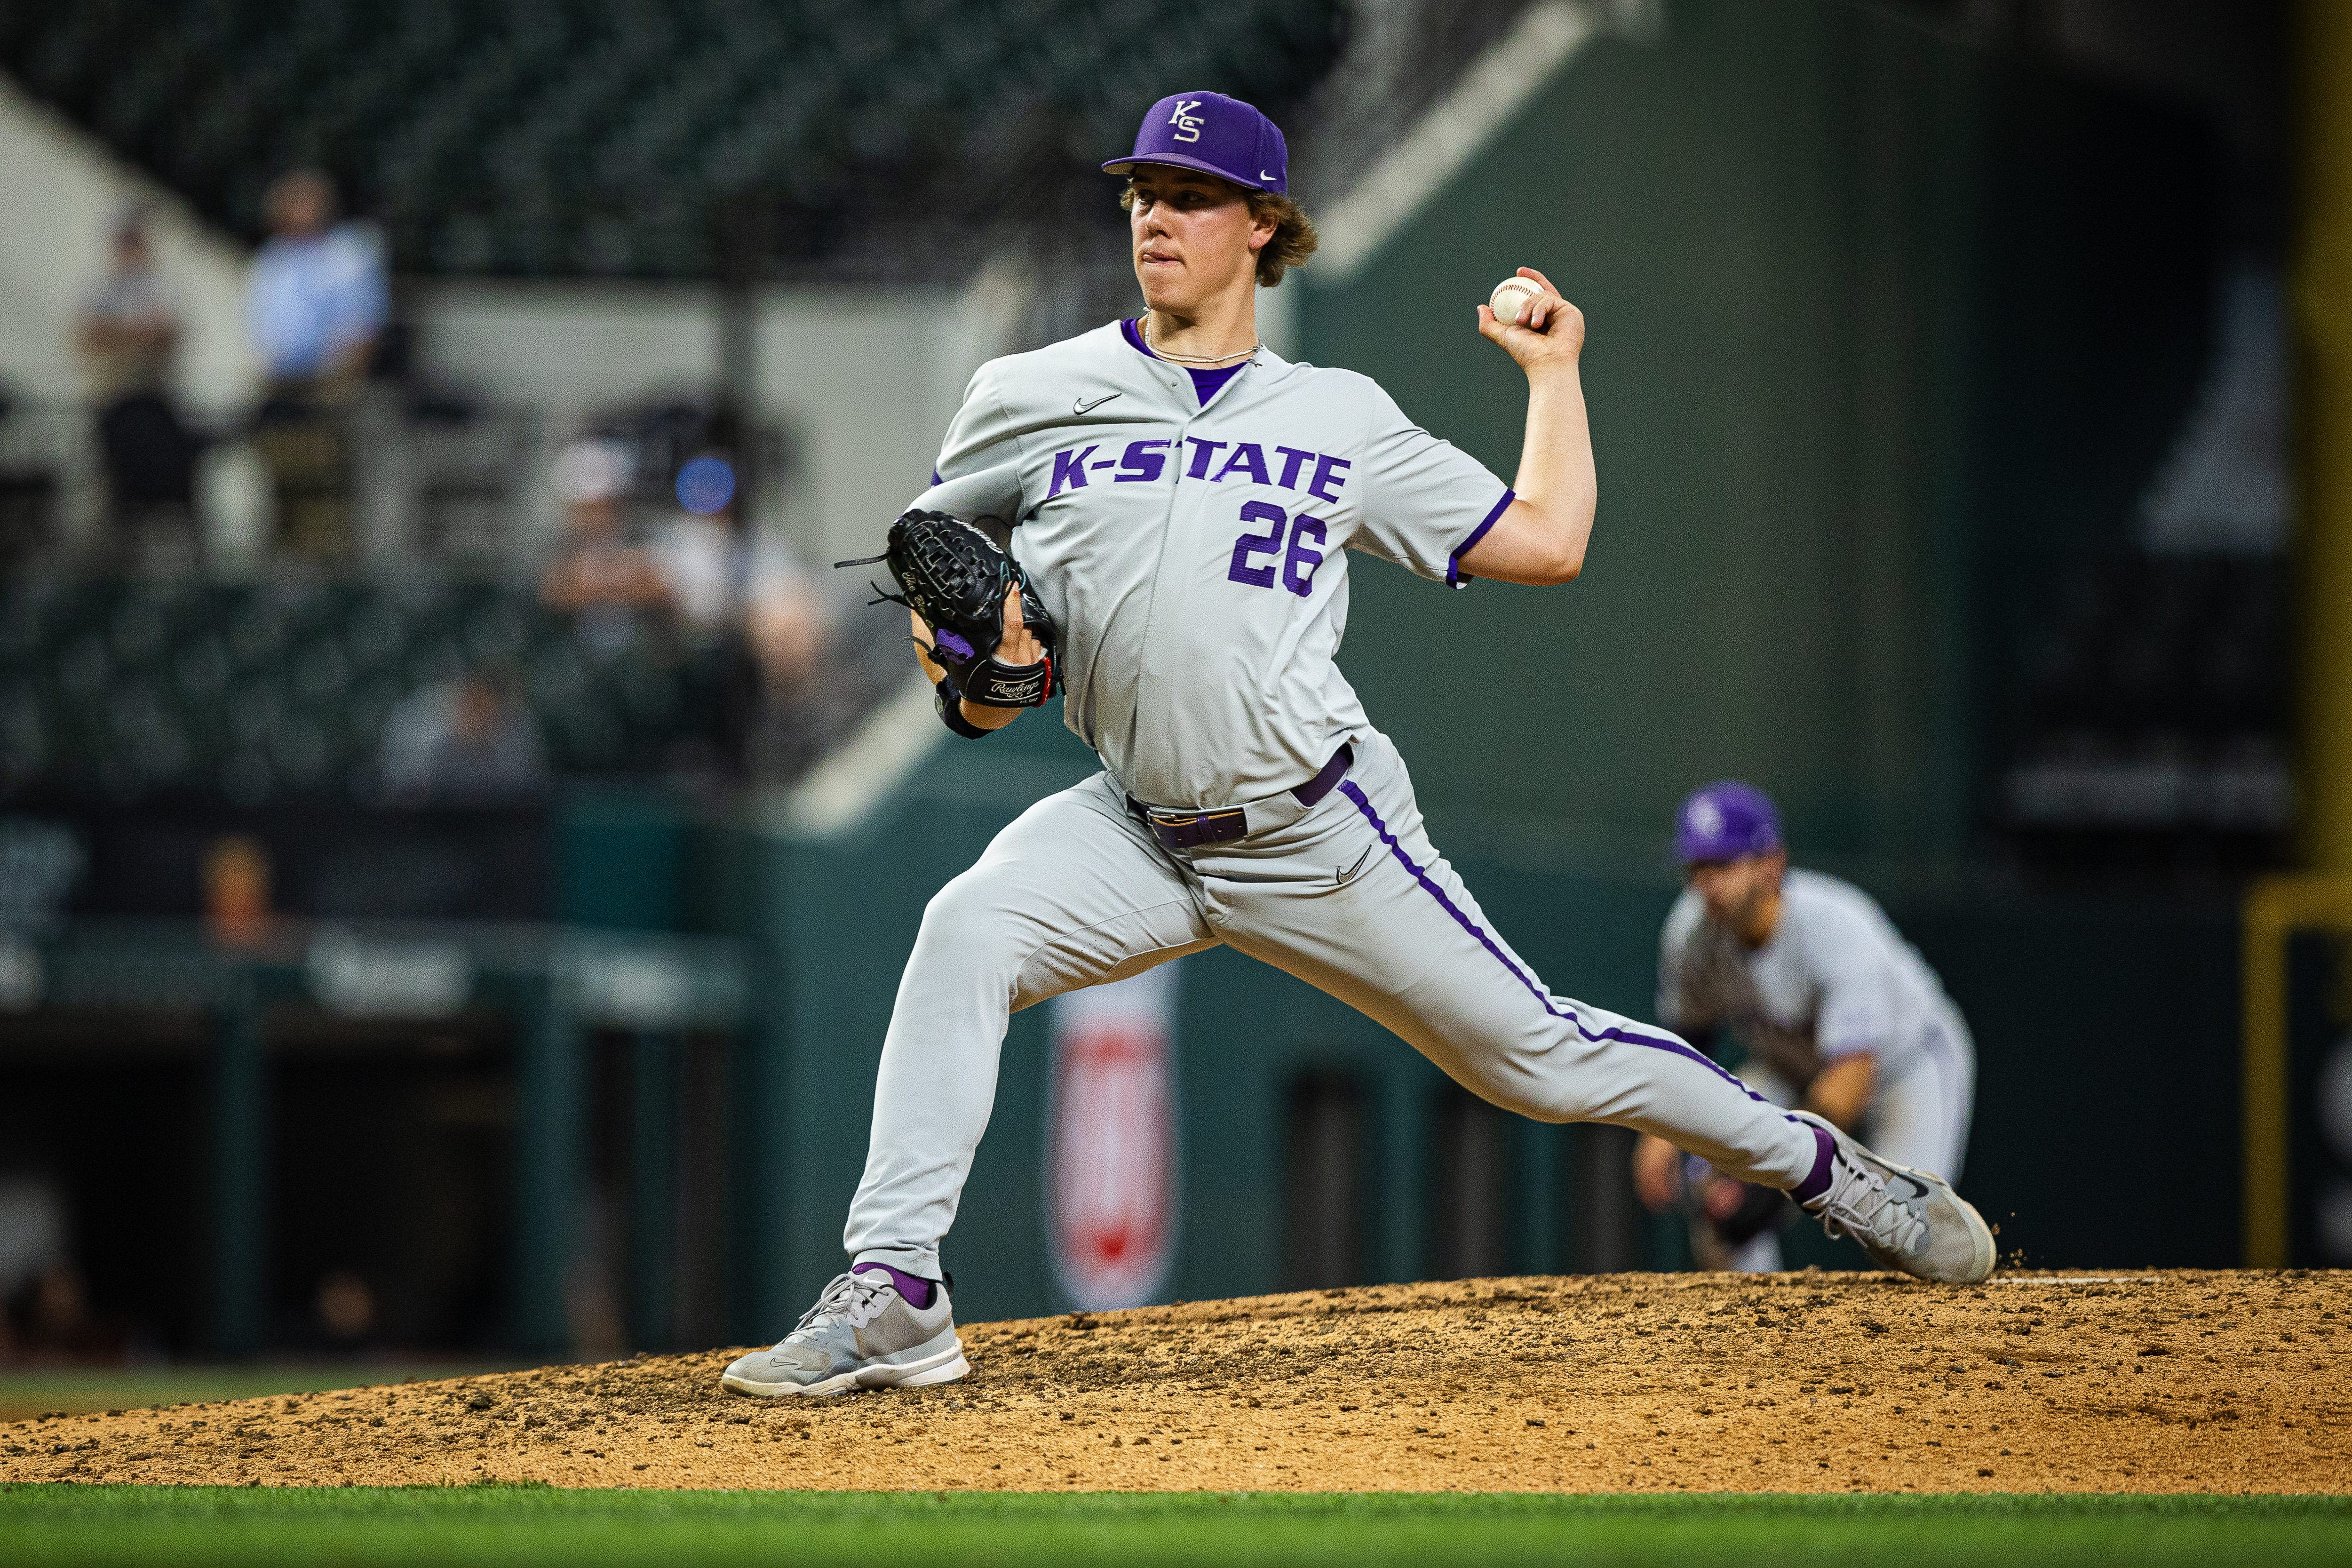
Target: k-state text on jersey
column 1319, row 474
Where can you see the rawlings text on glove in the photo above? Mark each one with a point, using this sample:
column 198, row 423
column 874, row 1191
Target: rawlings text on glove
column 955, row 578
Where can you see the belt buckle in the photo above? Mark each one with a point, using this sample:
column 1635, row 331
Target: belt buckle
column 1183, row 829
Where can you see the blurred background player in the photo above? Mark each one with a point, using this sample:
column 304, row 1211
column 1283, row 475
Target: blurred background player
column 1836, row 1012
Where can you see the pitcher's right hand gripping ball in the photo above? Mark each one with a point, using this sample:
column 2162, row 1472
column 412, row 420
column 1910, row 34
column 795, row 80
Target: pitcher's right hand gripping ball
column 954, row 577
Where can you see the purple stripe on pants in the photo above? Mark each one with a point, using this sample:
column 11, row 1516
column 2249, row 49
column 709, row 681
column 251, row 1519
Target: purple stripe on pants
column 1678, row 1048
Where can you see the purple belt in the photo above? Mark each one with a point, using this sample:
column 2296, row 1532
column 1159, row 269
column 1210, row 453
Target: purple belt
column 1191, row 829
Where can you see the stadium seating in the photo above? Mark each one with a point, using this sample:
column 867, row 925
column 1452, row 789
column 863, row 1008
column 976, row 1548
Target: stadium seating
column 277, row 690
column 605, row 137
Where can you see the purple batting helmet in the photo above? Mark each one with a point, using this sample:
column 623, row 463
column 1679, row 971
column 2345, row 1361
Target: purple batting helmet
column 1723, row 821
column 1216, row 134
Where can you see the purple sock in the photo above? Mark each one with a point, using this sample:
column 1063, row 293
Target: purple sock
column 917, row 1292
column 1818, row 1183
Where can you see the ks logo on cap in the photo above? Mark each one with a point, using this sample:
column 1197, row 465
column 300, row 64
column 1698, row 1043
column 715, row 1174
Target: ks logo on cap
column 1725, row 820
column 1236, row 143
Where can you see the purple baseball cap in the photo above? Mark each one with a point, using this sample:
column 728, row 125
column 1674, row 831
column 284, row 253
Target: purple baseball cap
column 1723, row 821
column 1216, row 134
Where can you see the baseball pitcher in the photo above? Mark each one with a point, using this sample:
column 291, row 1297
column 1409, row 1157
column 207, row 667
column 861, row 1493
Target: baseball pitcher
column 1182, row 506
column 1838, row 1015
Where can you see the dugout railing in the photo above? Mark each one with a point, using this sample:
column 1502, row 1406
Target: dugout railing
column 554, row 984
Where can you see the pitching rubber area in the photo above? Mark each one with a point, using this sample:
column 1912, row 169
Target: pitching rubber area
column 2110, row 1381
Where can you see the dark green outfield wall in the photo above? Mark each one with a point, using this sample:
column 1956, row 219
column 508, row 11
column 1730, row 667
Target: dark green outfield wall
column 1886, row 335
column 1766, row 219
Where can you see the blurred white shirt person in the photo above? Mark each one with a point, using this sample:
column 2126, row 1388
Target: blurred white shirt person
column 317, row 299
column 315, row 303
column 720, row 581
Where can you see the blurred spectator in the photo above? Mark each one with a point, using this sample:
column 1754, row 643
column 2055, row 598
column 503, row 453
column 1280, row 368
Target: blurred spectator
column 130, row 325
column 41, row 863
column 468, row 738
column 128, row 332
column 316, row 306
column 599, row 574
column 318, row 297
column 786, row 617
column 32, row 1230
column 236, row 892
column 56, row 1327
column 345, row 1309
column 720, row 583
column 786, row 623
column 700, row 555
column 746, row 608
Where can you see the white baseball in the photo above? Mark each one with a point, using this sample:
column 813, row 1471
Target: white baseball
column 1511, row 297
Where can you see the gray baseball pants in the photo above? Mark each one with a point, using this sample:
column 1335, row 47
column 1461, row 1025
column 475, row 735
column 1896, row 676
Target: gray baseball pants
column 1918, row 1116
column 1921, row 1118
column 1347, row 895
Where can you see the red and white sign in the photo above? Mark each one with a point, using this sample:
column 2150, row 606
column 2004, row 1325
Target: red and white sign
column 1110, row 1144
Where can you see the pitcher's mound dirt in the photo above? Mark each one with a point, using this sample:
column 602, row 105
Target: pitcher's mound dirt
column 2179, row 1381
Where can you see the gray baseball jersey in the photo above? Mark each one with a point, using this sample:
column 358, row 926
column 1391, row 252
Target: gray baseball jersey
column 1195, row 557
column 1836, row 978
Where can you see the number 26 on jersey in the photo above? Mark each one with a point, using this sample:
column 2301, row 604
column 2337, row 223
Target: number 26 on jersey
column 1298, row 563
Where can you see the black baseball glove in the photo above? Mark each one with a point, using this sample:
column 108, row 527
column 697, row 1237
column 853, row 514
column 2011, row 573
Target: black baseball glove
column 955, row 578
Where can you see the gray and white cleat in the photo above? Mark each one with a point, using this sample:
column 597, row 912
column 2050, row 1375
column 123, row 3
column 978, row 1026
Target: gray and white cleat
column 862, row 1333
column 1905, row 1219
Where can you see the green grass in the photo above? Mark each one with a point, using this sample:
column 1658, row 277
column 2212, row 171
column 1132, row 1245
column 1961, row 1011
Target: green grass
column 515, row 1527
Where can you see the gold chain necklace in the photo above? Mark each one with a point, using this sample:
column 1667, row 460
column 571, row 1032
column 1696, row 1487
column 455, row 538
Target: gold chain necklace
column 1194, row 359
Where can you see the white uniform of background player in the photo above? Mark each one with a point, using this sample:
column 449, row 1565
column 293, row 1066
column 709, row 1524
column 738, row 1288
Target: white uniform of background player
column 1834, row 1009
column 1195, row 554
